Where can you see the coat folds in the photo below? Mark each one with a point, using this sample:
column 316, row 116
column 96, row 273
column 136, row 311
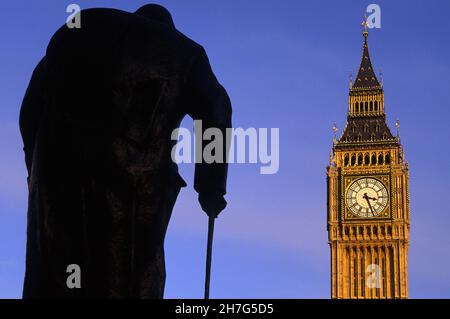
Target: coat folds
column 96, row 122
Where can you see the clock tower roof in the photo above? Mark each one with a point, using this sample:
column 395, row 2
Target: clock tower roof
column 366, row 121
column 373, row 129
column 366, row 78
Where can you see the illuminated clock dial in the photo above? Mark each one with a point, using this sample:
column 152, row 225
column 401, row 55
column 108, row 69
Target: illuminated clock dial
column 367, row 197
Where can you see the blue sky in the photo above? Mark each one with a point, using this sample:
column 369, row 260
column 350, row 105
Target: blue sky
column 285, row 64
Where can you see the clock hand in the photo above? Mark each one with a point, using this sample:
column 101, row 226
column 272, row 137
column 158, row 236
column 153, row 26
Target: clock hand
column 368, row 202
column 366, row 196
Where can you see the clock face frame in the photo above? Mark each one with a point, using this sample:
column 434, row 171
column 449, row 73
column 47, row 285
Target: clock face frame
column 367, row 197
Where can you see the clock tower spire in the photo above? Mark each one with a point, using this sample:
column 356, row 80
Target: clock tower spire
column 368, row 197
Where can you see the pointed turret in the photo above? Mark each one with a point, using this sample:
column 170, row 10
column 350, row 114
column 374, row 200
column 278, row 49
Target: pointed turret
column 366, row 115
column 366, row 78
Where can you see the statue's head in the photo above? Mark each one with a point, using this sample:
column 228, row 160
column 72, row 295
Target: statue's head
column 157, row 13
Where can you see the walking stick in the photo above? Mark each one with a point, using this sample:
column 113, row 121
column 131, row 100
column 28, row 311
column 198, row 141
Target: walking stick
column 209, row 255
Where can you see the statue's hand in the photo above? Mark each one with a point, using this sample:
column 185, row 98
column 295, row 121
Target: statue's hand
column 212, row 204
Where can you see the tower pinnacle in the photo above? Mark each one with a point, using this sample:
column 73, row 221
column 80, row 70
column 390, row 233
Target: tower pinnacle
column 365, row 25
column 366, row 78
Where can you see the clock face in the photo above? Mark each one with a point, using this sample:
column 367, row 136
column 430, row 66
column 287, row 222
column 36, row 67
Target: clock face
column 367, row 197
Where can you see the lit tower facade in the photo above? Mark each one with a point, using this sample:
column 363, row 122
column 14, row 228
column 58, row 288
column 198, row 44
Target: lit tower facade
column 368, row 197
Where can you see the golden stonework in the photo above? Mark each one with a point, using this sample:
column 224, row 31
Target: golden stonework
column 368, row 197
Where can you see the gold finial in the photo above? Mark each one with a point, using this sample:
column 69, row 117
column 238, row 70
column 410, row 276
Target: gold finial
column 365, row 25
column 351, row 80
column 335, row 129
column 397, row 126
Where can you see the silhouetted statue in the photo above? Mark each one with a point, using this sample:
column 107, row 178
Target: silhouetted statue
column 96, row 122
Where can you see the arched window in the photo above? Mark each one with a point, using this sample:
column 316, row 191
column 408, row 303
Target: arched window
column 355, row 274
column 377, row 278
column 376, row 106
column 367, row 159
column 384, row 136
column 362, row 271
column 371, row 106
column 356, row 107
column 360, row 159
column 353, row 128
column 353, row 160
column 359, row 138
column 372, row 137
column 383, row 275
column 380, row 159
column 374, row 159
column 377, row 128
column 366, row 128
column 346, row 160
column 366, row 107
column 387, row 159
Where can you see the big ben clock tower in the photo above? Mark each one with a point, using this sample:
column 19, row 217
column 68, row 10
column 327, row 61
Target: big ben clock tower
column 368, row 197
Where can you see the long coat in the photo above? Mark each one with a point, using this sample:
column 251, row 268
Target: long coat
column 96, row 121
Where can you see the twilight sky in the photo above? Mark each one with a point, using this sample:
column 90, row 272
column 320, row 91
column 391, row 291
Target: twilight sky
column 285, row 64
